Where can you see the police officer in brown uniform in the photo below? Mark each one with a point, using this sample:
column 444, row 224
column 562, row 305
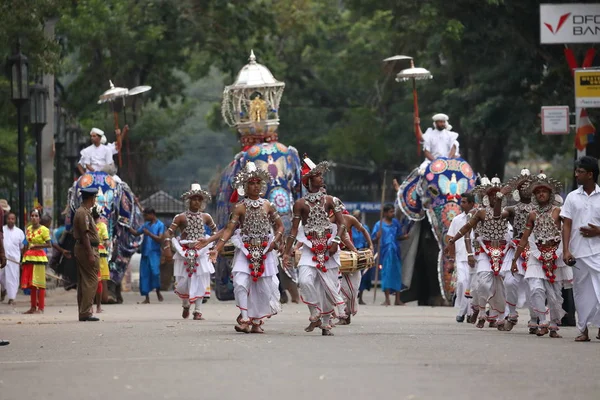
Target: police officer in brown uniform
column 86, row 254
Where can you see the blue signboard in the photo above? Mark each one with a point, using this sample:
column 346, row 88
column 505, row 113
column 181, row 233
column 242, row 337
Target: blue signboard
column 364, row 207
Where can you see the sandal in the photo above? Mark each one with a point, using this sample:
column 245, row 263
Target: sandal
column 582, row 338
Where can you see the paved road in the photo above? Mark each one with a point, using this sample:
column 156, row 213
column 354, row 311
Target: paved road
column 148, row 352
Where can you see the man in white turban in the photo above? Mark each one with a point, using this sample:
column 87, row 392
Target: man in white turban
column 439, row 141
column 99, row 156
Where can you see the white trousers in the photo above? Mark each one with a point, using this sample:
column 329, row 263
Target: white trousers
column 516, row 287
column 464, row 278
column 192, row 290
column 543, row 292
column 9, row 279
column 586, row 293
column 319, row 291
column 349, row 291
column 490, row 289
column 256, row 300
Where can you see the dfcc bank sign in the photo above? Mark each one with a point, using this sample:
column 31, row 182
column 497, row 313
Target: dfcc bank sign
column 569, row 23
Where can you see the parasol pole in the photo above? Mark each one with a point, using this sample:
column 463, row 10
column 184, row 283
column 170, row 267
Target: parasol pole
column 416, row 116
column 378, row 256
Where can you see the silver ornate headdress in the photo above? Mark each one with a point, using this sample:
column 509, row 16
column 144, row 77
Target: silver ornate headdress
column 521, row 181
column 486, row 187
column 248, row 173
column 196, row 190
column 309, row 168
column 542, row 180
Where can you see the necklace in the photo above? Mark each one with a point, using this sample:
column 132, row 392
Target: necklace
column 314, row 197
column 253, row 203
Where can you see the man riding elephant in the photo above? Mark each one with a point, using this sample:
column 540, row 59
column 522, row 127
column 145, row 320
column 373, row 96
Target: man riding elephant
column 439, row 141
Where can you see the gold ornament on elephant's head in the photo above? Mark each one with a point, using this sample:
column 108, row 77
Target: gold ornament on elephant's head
column 258, row 109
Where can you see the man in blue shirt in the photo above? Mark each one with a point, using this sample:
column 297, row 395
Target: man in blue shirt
column 153, row 230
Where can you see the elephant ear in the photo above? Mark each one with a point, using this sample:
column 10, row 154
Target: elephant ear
column 443, row 184
column 463, row 185
column 408, row 198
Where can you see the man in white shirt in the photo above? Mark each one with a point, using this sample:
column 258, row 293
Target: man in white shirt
column 581, row 244
column 464, row 258
column 13, row 243
column 99, row 156
column 439, row 141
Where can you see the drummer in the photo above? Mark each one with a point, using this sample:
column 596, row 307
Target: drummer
column 350, row 281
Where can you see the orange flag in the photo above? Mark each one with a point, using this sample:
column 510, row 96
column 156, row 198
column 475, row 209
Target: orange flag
column 584, row 129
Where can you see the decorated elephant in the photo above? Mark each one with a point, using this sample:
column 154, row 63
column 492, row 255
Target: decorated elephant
column 431, row 201
column 119, row 212
column 283, row 164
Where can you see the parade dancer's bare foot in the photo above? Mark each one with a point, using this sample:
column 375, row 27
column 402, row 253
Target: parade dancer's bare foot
column 555, row 335
column 474, row 316
column 147, row 301
column 38, row 312
column 30, row 311
column 243, row 328
column 198, row 317
column 313, row 324
column 493, row 324
column 257, row 329
column 186, row 312
column 542, row 331
column 326, row 332
column 480, row 323
column 386, row 303
column 99, row 310
column 509, row 324
column 239, row 319
column 160, row 297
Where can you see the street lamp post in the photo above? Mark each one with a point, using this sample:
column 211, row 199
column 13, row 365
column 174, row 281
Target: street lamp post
column 73, row 144
column 19, row 91
column 38, row 118
column 59, row 146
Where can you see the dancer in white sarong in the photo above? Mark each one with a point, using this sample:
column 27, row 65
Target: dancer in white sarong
column 255, row 282
column 546, row 274
column 192, row 266
column 493, row 244
column 320, row 259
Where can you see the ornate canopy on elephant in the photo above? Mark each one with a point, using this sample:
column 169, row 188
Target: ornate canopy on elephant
column 251, row 106
column 436, row 195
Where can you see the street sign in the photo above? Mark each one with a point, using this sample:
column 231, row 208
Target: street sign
column 366, row 207
column 569, row 23
column 587, row 88
column 555, row 120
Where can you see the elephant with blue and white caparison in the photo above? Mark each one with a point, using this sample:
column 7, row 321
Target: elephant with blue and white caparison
column 430, row 201
column 119, row 212
column 283, row 164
